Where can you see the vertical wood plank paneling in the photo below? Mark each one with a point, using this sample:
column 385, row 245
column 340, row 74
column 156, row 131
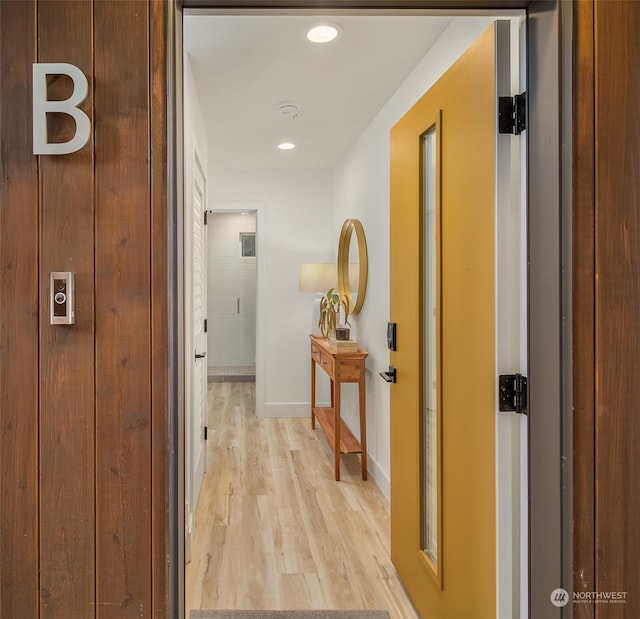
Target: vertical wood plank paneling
column 159, row 310
column 67, row 501
column 617, row 50
column 18, row 317
column 123, row 317
column 584, row 301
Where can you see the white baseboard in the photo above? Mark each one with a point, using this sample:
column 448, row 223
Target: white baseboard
column 380, row 477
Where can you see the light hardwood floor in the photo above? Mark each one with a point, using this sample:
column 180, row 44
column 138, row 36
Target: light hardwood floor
column 274, row 530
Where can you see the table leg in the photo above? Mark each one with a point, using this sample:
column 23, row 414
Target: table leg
column 335, row 390
column 313, row 392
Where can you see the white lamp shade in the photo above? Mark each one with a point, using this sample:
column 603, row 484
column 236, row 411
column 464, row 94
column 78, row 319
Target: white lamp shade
column 319, row 277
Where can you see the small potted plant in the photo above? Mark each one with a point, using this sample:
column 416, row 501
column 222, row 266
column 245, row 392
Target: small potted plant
column 330, row 306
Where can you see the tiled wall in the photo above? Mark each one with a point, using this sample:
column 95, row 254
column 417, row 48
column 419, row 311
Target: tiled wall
column 231, row 291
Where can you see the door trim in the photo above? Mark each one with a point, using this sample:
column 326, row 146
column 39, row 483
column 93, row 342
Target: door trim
column 173, row 559
column 550, row 311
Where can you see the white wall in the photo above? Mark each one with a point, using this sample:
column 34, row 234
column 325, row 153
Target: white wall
column 297, row 229
column 361, row 191
column 231, row 346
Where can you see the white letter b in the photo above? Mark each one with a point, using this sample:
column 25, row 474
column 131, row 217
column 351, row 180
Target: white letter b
column 41, row 107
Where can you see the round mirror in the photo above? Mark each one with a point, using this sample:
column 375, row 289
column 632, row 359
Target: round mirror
column 352, row 264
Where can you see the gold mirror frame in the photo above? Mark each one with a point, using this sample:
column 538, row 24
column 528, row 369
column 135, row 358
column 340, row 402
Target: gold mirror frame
column 344, row 245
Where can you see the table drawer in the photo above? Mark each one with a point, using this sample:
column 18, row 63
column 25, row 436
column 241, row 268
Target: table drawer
column 350, row 370
column 326, row 360
column 316, row 354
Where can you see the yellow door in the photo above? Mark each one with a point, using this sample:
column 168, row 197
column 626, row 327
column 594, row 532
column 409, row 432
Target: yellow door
column 443, row 474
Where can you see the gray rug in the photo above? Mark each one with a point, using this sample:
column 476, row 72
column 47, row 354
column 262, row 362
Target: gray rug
column 289, row 614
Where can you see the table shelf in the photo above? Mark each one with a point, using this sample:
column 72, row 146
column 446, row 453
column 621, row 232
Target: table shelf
column 349, row 444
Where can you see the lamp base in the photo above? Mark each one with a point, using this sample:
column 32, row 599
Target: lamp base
column 315, row 316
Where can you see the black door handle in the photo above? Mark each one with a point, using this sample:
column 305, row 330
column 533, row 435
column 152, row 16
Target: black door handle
column 389, row 375
column 201, row 355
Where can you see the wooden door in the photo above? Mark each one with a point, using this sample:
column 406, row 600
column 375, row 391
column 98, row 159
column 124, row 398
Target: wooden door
column 443, row 406
column 83, row 407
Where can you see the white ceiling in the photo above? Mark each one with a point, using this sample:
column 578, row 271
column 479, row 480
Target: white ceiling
column 247, row 65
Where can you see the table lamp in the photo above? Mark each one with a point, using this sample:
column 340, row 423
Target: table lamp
column 318, row 278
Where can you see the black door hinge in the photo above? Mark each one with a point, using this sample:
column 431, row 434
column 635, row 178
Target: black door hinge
column 206, row 217
column 206, row 433
column 205, row 325
column 512, row 114
column 512, row 393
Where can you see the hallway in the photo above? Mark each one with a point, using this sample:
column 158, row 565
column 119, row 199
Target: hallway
column 274, row 530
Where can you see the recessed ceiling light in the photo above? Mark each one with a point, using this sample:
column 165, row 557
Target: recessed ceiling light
column 323, row 33
column 286, row 146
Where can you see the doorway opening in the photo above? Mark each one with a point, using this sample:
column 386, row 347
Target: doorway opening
column 338, row 169
column 232, row 296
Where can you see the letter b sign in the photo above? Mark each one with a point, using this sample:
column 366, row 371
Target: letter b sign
column 42, row 106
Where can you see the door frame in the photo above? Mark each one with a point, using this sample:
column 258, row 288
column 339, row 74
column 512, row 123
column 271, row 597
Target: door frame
column 550, row 85
column 549, row 52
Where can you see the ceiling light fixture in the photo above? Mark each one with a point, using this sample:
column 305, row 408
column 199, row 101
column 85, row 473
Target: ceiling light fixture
column 323, row 33
column 286, row 146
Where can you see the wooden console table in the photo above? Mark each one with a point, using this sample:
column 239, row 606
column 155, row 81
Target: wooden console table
column 341, row 367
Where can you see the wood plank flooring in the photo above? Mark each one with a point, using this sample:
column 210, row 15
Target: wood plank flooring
column 273, row 530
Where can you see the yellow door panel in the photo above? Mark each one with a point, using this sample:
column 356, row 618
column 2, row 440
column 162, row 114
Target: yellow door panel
column 461, row 582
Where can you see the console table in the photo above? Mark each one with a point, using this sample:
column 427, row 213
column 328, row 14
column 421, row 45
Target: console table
column 341, row 367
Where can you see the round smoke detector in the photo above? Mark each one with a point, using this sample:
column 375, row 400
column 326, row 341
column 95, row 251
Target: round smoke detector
column 290, row 110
